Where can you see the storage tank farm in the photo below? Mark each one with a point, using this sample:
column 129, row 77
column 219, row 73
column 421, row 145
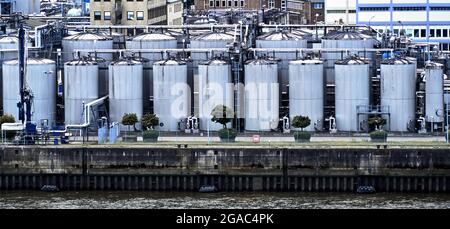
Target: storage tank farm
column 171, row 94
column 352, row 90
column 345, row 40
column 434, row 89
column 306, row 91
column 261, row 94
column 125, row 89
column 215, row 88
column 398, row 84
column 150, row 41
column 283, row 39
column 81, row 79
column 41, row 78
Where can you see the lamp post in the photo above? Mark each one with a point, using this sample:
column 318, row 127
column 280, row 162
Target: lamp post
column 370, row 20
column 209, row 118
column 447, row 109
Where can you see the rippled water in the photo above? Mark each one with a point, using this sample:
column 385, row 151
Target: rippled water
column 72, row 200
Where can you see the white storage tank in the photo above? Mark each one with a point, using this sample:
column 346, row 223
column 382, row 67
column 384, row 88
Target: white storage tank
column 261, row 95
column 125, row 89
column 216, row 88
column 344, row 40
column 27, row 6
column 283, row 39
column 89, row 41
column 398, row 93
column 352, row 90
column 9, row 42
column 171, row 93
column 152, row 41
column 434, row 87
column 207, row 41
column 80, row 87
column 41, row 79
column 306, row 92
column 103, row 74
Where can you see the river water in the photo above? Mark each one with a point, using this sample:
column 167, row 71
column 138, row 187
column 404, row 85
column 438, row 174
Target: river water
column 179, row 200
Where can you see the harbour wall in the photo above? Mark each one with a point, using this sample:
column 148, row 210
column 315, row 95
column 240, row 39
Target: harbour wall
column 229, row 169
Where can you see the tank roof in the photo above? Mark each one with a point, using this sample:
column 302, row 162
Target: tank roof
column 346, row 35
column 152, row 37
column 352, row 61
column 433, row 65
column 306, row 62
column 9, row 39
column 31, row 61
column 126, row 62
column 396, row 61
column 170, row 62
column 263, row 61
column 88, row 37
column 215, row 62
column 81, row 62
column 282, row 35
column 214, row 36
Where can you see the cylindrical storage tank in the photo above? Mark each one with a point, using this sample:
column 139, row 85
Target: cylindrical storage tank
column 28, row 6
column 434, row 89
column 306, row 91
column 344, row 40
column 171, row 93
column 152, row 41
column 88, row 41
column 147, row 80
column 119, row 39
column 207, row 41
column 103, row 75
column 41, row 79
column 9, row 42
column 398, row 93
column 125, row 89
column 216, row 88
column 80, row 87
column 261, row 95
column 283, row 39
column 352, row 90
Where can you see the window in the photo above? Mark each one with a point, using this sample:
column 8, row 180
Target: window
column 374, row 9
column 318, row 6
column 242, row 3
column 224, row 3
column 271, row 4
column 396, row 31
column 336, row 11
column 438, row 33
column 423, row 33
column 211, row 3
column 444, row 33
column 416, row 33
column 130, row 15
column 140, row 15
column 432, row 32
column 445, row 47
column 440, row 8
column 107, row 15
column 410, row 8
column 236, row 3
column 229, row 3
column 97, row 15
column 217, row 3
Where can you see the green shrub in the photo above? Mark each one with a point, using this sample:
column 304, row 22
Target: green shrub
column 7, row 118
column 379, row 136
column 222, row 114
column 130, row 119
column 149, row 121
column 301, row 122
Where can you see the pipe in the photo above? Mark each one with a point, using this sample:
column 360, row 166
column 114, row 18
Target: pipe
column 148, row 27
column 87, row 118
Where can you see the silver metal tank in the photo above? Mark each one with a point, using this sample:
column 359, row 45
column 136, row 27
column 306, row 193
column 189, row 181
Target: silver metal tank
column 171, row 93
column 261, row 95
column 103, row 74
column 344, row 40
column 119, row 39
column 147, row 81
column 215, row 88
column 9, row 42
column 283, row 39
column 80, row 87
column 352, row 90
column 125, row 89
column 306, row 91
column 41, row 78
column 89, row 41
column 209, row 40
column 28, row 6
column 434, row 89
column 398, row 93
column 152, row 41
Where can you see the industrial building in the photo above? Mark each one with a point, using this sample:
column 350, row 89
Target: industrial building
column 340, row 11
column 92, row 75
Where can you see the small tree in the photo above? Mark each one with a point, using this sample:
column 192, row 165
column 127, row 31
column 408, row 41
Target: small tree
column 149, row 121
column 377, row 121
column 7, row 118
column 301, row 122
column 130, row 119
column 222, row 114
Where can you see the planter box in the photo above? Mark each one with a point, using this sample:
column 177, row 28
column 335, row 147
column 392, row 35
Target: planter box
column 228, row 139
column 150, row 139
